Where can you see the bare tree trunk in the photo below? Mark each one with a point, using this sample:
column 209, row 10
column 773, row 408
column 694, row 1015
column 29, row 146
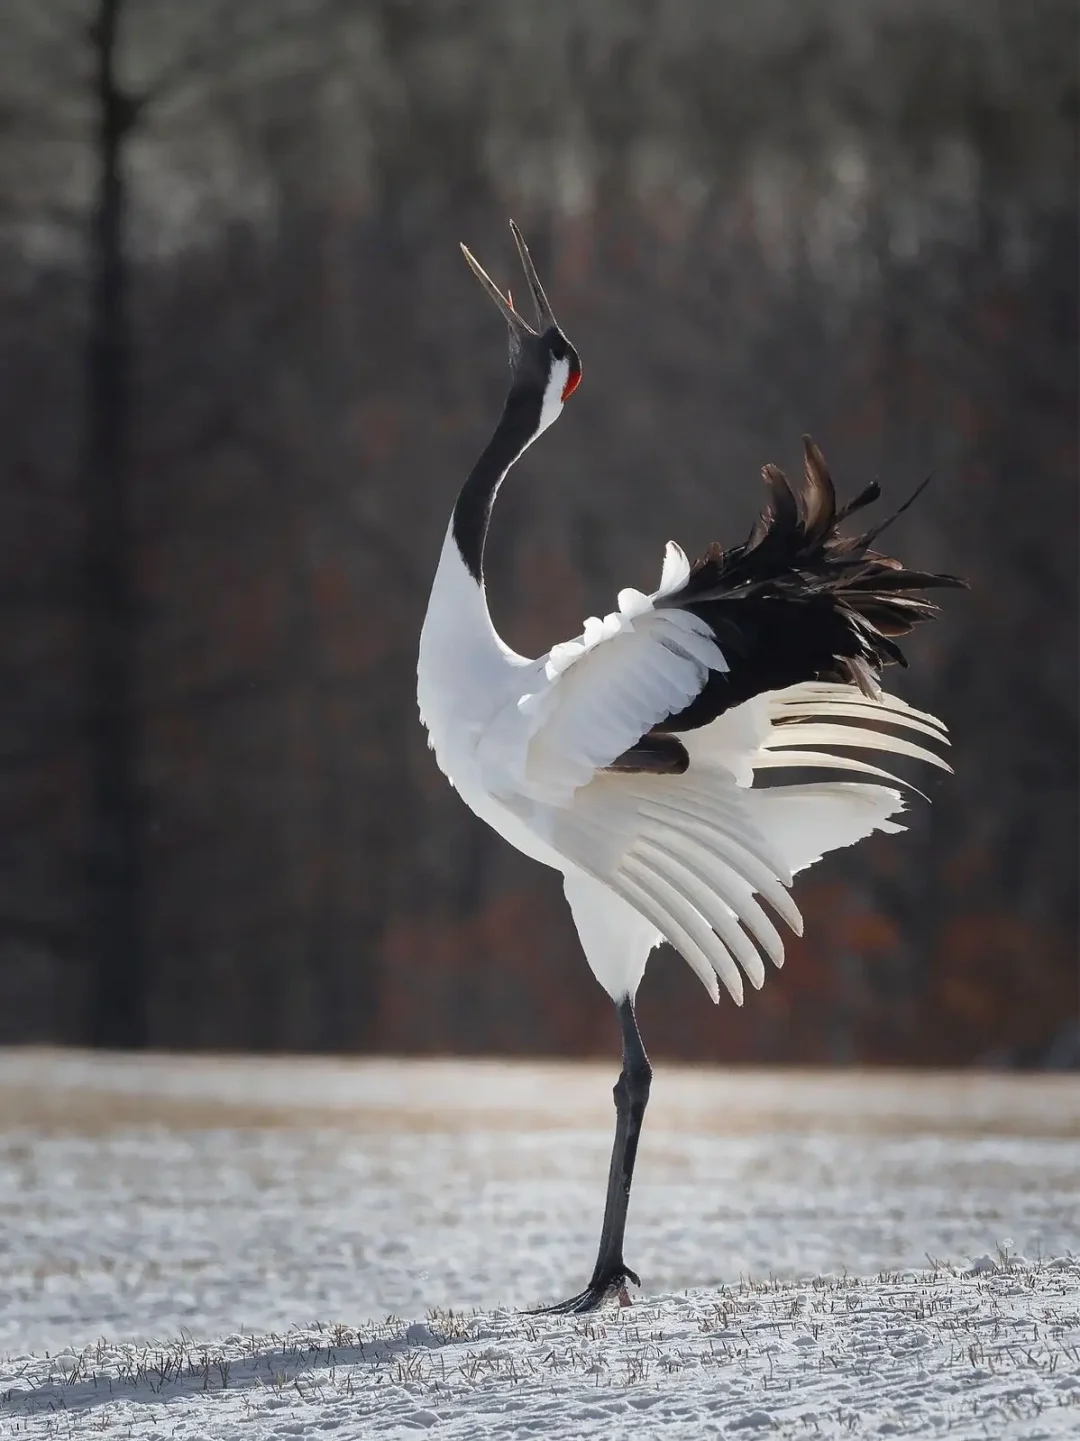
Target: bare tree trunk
column 118, row 1015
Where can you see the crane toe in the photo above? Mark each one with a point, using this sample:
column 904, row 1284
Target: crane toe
column 610, row 1285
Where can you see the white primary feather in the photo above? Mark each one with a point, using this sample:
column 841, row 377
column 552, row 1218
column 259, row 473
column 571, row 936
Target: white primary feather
column 806, row 822
column 687, row 854
column 692, row 853
column 592, row 698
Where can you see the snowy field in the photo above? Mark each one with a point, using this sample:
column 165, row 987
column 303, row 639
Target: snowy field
column 214, row 1249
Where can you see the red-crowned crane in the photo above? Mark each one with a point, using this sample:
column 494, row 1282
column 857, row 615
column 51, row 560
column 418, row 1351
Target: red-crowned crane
column 632, row 757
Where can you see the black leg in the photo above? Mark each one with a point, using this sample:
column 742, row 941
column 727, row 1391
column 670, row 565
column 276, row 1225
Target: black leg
column 611, row 1273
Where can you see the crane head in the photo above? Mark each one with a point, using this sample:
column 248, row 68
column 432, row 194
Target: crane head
column 541, row 359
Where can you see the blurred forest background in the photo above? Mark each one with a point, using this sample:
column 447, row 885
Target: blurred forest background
column 243, row 370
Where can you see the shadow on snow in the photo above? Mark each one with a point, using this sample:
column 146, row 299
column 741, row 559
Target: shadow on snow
column 179, row 1369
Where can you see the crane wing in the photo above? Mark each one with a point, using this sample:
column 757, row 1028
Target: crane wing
column 592, row 700
column 686, row 853
column 695, row 853
column 692, row 852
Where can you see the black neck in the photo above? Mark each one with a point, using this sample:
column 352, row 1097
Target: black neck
column 518, row 424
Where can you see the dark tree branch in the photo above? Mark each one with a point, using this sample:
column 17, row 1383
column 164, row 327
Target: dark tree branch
column 222, row 49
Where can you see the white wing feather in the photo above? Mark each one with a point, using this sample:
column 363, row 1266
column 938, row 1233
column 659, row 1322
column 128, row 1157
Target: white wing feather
column 686, row 853
column 592, row 698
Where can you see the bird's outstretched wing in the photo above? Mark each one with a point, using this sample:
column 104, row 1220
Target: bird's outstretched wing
column 592, row 700
column 796, row 603
column 692, row 852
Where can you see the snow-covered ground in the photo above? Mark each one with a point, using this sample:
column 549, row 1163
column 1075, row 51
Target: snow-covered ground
column 223, row 1248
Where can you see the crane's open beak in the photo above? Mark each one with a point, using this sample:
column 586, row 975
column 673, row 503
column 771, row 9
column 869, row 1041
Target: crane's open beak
column 545, row 318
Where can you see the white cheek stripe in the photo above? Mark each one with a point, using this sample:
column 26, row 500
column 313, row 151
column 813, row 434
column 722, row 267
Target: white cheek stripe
column 553, row 395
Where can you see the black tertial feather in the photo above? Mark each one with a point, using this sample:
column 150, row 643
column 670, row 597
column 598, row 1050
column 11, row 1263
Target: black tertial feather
column 864, row 498
column 654, row 754
column 799, row 602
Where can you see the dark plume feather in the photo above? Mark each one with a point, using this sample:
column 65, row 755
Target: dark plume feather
column 817, row 502
column 797, row 601
column 864, row 498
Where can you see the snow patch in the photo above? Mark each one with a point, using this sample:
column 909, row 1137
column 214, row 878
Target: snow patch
column 951, row 1354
